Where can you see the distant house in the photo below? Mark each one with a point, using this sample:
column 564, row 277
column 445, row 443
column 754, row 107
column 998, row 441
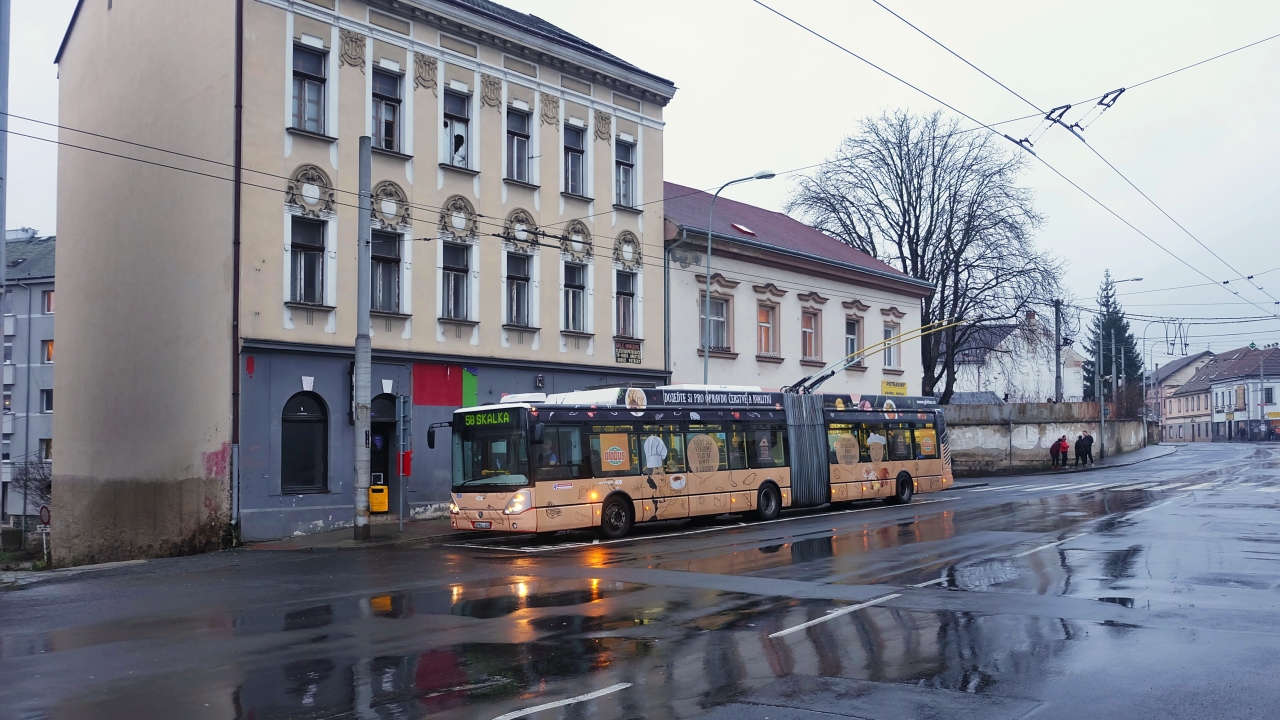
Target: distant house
column 1015, row 363
column 1165, row 380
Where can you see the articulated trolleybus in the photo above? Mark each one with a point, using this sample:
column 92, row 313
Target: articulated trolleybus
column 607, row 459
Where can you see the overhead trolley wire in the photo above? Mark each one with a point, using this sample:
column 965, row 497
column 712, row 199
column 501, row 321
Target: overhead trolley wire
column 1099, row 154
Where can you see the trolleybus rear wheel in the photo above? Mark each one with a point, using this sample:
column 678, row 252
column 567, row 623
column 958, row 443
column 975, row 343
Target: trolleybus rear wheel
column 768, row 502
column 906, row 489
column 615, row 518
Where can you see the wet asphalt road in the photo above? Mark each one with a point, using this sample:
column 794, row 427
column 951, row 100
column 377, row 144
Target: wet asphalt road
column 1072, row 596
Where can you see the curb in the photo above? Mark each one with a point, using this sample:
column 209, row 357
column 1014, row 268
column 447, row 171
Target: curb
column 1091, row 468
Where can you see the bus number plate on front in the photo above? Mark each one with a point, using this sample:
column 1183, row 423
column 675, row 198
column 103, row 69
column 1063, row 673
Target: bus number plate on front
column 481, row 525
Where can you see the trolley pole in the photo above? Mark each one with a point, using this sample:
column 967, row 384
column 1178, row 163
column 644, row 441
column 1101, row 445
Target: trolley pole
column 363, row 349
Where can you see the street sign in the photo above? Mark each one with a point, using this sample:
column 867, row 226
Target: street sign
column 1253, row 346
column 44, row 514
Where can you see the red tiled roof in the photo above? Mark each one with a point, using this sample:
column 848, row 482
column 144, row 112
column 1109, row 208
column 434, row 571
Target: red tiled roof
column 688, row 207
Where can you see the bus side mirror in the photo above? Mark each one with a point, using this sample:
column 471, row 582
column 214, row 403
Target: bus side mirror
column 539, row 430
column 431, row 438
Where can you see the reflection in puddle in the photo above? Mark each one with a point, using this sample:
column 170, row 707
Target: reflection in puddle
column 1121, row 601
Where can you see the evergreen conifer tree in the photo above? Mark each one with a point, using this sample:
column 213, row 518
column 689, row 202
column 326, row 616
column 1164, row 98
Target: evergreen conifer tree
column 1108, row 323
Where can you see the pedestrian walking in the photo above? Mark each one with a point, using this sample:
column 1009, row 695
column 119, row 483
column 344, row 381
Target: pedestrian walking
column 1088, row 448
column 1064, row 450
column 1055, row 453
column 1080, row 450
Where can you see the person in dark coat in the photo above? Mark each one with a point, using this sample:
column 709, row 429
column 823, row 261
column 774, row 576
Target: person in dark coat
column 1080, row 451
column 1088, row 448
column 1055, row 453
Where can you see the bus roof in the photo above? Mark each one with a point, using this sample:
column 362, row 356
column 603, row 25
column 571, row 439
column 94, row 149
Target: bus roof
column 716, row 396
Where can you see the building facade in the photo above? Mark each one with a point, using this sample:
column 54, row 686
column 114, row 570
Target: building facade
column 1165, row 380
column 1244, row 385
column 28, row 374
column 786, row 300
column 1015, row 361
column 517, row 182
column 1188, row 412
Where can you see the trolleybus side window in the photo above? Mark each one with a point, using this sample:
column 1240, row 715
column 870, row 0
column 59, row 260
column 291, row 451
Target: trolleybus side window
column 707, row 458
column 738, row 449
column 926, row 442
column 767, row 447
column 614, row 451
column 899, row 442
column 667, row 452
column 560, row 456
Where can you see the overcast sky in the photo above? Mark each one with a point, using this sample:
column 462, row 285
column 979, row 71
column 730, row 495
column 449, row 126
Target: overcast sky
column 756, row 92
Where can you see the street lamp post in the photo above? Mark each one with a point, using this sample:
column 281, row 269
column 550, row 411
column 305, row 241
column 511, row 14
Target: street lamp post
column 706, row 308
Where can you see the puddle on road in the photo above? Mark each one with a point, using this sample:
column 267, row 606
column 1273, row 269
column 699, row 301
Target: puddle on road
column 1121, row 601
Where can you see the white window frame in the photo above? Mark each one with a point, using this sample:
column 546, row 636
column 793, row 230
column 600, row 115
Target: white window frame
column 515, row 162
column 769, row 349
column 892, row 350
column 305, row 78
column 569, row 153
column 294, row 262
column 447, row 310
column 624, row 169
column 581, row 292
column 851, row 341
column 447, row 154
column 512, row 287
column 629, row 300
column 381, row 101
column 375, row 277
column 46, row 407
column 814, row 333
column 723, row 321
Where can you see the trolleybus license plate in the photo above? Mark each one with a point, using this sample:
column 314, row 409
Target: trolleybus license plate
column 481, row 525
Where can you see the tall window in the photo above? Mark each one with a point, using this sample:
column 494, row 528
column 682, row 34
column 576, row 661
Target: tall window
column 385, row 272
column 575, row 297
column 304, row 445
column 767, row 330
column 810, row 335
column 46, row 401
column 575, row 148
column 8, row 301
column 46, row 449
column 8, row 400
column 891, row 359
column 518, row 272
column 456, row 271
column 851, row 339
column 308, row 89
column 719, row 323
column 625, row 169
column 625, row 311
column 307, row 250
column 457, row 128
column 518, row 145
column 46, row 351
column 47, row 302
column 8, row 352
column 1269, row 396
column 386, row 110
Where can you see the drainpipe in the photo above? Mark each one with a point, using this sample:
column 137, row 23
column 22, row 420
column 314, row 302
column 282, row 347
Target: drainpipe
column 666, row 287
column 237, row 172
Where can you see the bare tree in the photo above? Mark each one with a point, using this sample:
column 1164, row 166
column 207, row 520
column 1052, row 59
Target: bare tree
column 32, row 479
column 944, row 206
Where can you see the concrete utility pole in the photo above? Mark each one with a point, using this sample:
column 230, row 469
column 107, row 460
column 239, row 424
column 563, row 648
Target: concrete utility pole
column 363, row 350
column 1057, row 349
column 1102, row 402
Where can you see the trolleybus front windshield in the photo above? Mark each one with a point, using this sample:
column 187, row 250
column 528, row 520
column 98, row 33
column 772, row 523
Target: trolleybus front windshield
column 490, row 448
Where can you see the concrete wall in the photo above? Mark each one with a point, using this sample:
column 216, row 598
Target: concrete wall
column 987, row 439
column 144, row 366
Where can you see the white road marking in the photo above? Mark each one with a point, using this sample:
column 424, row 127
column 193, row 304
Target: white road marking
column 829, row 616
column 1046, row 487
column 1006, row 487
column 931, row 582
column 1201, row 486
column 1049, row 545
column 1139, row 486
column 1269, row 489
column 634, row 538
column 561, row 703
column 1171, row 486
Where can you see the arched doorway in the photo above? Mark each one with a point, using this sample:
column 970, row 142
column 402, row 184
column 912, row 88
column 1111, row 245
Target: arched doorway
column 382, row 450
column 304, row 445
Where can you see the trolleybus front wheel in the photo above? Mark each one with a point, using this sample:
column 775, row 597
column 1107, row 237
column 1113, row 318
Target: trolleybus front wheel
column 906, row 489
column 768, row 502
column 615, row 518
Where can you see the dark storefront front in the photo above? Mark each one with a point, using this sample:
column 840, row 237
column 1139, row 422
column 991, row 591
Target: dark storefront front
column 297, row 443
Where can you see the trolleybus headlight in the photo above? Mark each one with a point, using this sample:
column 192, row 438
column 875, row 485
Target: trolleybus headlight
column 453, row 508
column 520, row 502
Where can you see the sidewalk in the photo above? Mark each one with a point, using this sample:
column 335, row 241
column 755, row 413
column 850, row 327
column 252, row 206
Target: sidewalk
column 1150, row 452
column 381, row 535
